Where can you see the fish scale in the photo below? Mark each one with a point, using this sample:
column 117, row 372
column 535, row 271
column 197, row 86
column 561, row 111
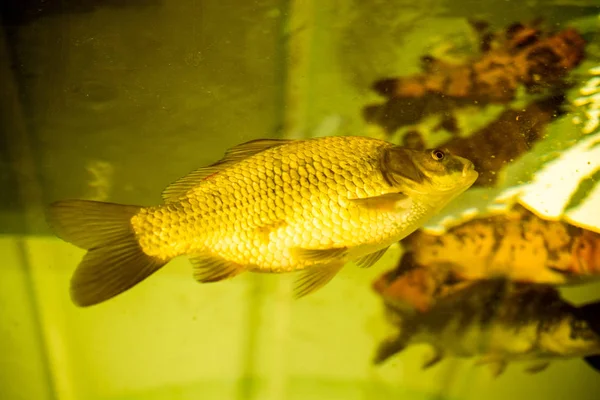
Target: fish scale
column 298, row 202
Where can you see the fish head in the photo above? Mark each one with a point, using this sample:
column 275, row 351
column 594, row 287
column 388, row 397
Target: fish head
column 431, row 171
column 572, row 336
column 584, row 326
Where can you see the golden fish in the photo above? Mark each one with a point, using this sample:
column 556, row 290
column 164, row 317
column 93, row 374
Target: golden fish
column 267, row 206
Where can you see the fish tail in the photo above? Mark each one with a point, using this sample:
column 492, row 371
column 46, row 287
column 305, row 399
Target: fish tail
column 591, row 313
column 114, row 261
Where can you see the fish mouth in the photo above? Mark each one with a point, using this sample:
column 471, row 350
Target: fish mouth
column 467, row 168
column 469, row 174
column 469, row 171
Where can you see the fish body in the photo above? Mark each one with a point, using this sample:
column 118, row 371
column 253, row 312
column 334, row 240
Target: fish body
column 267, row 206
column 518, row 245
column 501, row 322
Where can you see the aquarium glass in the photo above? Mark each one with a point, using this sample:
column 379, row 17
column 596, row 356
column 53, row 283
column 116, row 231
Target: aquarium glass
column 113, row 101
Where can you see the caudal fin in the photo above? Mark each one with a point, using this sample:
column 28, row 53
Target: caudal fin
column 115, row 261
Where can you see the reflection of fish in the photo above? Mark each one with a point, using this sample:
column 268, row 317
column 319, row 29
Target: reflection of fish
column 517, row 245
column 267, row 206
column 410, row 288
column 501, row 322
column 527, row 57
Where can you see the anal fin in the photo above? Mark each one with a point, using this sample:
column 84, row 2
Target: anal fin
column 370, row 259
column 315, row 277
column 209, row 268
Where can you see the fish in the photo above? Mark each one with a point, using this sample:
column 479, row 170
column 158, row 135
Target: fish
column 517, row 245
column 269, row 206
column 499, row 322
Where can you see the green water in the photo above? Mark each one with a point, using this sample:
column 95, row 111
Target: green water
column 114, row 101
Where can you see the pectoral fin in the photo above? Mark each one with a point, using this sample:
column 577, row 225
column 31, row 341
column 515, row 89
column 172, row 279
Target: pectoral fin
column 315, row 277
column 213, row 269
column 370, row 259
column 386, row 202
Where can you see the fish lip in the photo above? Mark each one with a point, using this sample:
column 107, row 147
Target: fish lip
column 469, row 175
column 467, row 169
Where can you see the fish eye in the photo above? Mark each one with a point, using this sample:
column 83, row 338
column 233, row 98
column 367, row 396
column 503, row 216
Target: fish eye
column 438, row 155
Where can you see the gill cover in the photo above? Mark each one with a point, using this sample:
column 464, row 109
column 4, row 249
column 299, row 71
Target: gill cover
column 398, row 162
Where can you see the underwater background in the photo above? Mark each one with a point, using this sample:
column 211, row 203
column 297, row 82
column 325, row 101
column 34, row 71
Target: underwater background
column 114, row 100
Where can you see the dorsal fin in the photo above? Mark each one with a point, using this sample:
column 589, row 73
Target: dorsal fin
column 253, row 147
column 235, row 154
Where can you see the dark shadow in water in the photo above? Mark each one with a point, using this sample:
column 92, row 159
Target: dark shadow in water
column 17, row 12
